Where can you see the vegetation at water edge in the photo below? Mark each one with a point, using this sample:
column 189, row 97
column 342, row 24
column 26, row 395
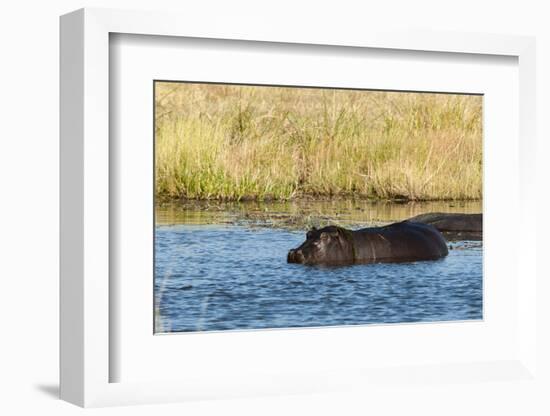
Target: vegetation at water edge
column 228, row 142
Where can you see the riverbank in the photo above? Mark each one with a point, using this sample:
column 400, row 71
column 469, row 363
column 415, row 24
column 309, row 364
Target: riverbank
column 224, row 142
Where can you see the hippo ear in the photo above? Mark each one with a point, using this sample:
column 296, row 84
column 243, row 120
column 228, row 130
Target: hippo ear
column 309, row 234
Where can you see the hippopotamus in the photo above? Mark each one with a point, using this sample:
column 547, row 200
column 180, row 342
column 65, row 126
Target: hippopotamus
column 399, row 242
column 454, row 226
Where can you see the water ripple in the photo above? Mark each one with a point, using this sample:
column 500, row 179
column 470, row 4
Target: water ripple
column 232, row 277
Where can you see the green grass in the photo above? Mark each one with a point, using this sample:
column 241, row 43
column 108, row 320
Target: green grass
column 240, row 142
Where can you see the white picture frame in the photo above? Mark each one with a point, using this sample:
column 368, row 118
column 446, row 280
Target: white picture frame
column 86, row 356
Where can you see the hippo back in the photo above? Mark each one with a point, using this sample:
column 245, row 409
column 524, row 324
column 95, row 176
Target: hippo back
column 402, row 241
column 454, row 226
column 451, row 221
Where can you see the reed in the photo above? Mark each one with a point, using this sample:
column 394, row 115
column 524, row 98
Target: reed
column 243, row 142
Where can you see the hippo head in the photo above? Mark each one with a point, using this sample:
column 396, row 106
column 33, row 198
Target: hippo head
column 328, row 245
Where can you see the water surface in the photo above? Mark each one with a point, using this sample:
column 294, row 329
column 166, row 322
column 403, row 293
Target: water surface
column 223, row 267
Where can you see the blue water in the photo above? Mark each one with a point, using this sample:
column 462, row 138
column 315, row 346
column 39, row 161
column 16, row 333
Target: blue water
column 216, row 277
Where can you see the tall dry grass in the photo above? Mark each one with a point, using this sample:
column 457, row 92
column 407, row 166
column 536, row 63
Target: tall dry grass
column 243, row 142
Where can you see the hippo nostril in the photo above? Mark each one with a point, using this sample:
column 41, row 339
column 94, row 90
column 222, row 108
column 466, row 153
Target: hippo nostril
column 295, row 256
column 290, row 257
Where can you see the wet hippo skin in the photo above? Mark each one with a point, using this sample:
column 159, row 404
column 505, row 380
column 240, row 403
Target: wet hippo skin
column 454, row 226
column 400, row 242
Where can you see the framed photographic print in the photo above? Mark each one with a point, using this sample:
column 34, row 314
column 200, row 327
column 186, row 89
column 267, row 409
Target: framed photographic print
column 267, row 214
column 244, row 173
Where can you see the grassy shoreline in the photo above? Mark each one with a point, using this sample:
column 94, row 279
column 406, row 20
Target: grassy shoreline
column 232, row 143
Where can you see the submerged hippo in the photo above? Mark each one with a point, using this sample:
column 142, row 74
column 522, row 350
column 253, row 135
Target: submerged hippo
column 454, row 226
column 399, row 242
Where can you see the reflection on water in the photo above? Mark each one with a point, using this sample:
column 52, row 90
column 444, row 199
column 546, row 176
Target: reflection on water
column 297, row 214
column 223, row 266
